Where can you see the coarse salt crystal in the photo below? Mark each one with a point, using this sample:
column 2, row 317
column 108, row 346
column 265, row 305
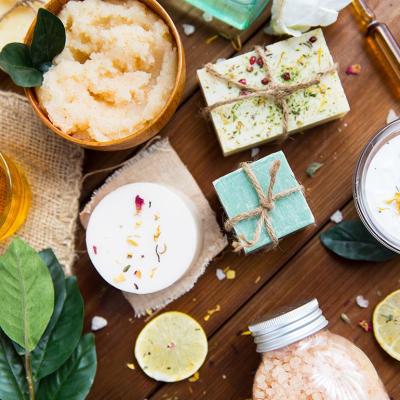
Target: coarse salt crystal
column 254, row 152
column 337, row 217
column 392, row 116
column 362, row 301
column 188, row 29
column 219, row 60
column 207, row 17
column 98, row 323
column 220, row 274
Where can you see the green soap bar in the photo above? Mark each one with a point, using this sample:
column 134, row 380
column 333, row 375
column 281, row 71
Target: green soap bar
column 237, row 195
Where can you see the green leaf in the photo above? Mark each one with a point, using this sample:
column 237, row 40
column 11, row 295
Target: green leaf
column 313, row 168
column 16, row 61
column 63, row 333
column 75, row 378
column 13, row 385
column 48, row 39
column 351, row 240
column 26, row 294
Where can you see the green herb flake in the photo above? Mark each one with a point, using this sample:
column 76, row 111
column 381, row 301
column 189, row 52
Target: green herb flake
column 313, row 168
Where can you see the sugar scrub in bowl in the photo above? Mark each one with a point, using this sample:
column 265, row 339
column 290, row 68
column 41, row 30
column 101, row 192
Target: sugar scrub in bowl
column 303, row 360
column 118, row 79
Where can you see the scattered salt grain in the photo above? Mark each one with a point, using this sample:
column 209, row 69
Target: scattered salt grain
column 220, row 274
column 337, row 217
column 219, row 60
column 391, row 116
column 98, row 323
column 188, row 29
column 195, row 377
column 223, row 376
column 207, row 17
column 254, row 152
column 362, row 302
column 345, row 318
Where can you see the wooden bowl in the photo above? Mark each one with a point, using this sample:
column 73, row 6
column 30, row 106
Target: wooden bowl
column 152, row 127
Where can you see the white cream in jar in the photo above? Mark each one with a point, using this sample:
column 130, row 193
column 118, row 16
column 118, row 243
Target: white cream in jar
column 143, row 237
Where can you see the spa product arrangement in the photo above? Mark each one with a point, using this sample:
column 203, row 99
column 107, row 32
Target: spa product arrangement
column 273, row 92
column 143, row 237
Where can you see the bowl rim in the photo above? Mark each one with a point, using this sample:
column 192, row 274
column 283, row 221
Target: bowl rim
column 180, row 75
column 4, row 167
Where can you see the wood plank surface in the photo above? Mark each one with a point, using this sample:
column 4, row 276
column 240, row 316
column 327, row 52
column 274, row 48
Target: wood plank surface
column 299, row 268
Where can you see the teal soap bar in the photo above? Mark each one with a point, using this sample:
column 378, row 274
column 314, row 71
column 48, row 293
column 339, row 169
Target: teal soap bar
column 238, row 195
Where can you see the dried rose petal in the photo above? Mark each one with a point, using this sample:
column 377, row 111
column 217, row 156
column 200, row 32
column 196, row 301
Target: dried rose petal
column 252, row 60
column 365, row 326
column 242, row 81
column 354, row 69
column 139, row 203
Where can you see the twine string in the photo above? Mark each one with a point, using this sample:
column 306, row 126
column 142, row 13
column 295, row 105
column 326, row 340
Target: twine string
column 267, row 203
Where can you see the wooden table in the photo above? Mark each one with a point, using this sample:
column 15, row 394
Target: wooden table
column 300, row 268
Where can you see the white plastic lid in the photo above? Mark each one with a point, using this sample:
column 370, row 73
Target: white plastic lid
column 287, row 326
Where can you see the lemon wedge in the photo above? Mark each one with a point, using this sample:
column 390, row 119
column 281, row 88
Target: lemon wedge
column 171, row 347
column 386, row 323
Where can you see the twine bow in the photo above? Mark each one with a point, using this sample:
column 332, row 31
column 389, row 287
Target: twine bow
column 276, row 91
column 267, row 203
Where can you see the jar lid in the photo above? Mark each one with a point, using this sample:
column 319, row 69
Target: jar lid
column 287, row 325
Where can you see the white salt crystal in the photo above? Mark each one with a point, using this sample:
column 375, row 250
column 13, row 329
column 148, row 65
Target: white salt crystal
column 362, row 301
column 254, row 152
column 337, row 217
column 220, row 274
column 207, row 17
column 391, row 116
column 220, row 60
column 98, row 323
column 188, row 29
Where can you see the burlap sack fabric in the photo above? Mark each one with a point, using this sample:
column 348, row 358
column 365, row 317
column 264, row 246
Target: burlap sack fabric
column 161, row 164
column 54, row 170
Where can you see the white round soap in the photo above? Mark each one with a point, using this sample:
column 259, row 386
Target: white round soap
column 143, row 237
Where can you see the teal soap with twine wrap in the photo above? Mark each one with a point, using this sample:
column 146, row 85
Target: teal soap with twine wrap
column 263, row 202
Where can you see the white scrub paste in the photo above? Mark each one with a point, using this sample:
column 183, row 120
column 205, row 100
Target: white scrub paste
column 143, row 237
column 382, row 188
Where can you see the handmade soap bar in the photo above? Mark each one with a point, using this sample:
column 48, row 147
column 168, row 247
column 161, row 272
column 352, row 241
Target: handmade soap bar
column 252, row 117
column 288, row 212
column 143, row 237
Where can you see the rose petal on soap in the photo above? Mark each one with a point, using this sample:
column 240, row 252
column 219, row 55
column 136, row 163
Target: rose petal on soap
column 354, row 69
column 139, row 202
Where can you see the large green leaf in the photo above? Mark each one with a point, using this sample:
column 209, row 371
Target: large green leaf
column 26, row 294
column 62, row 335
column 351, row 240
column 48, row 39
column 75, row 378
column 13, row 385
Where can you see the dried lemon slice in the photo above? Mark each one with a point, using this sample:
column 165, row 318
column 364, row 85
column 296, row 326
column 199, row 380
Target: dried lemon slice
column 386, row 322
column 171, row 347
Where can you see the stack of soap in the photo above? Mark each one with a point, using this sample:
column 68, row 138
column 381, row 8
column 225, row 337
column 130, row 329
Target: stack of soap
column 256, row 120
column 288, row 214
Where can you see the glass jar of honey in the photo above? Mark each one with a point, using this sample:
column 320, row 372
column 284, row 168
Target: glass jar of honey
column 303, row 360
column 15, row 197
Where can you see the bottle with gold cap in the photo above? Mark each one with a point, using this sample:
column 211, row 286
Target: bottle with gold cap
column 302, row 359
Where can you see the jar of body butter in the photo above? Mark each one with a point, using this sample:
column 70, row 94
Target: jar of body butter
column 376, row 186
column 303, row 360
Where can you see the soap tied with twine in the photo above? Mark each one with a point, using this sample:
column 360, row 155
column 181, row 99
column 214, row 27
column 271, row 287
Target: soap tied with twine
column 264, row 203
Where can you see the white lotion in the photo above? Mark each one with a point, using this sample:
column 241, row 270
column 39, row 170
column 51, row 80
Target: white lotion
column 143, row 237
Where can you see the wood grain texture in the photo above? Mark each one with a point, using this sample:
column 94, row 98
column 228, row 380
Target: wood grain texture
column 299, row 268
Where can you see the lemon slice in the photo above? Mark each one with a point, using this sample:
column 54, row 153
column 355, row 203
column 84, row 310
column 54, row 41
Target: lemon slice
column 171, row 347
column 386, row 322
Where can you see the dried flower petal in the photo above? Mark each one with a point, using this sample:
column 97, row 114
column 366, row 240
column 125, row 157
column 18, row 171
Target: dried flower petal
column 365, row 326
column 245, row 333
column 195, row 377
column 138, row 274
column 230, row 274
column 157, row 233
column 139, row 202
column 354, row 69
column 211, row 312
column 119, row 278
column 131, row 366
column 94, row 249
column 362, row 301
column 392, row 116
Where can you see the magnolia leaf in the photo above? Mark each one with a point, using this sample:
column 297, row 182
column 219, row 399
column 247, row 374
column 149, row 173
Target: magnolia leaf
column 48, row 39
column 26, row 294
column 351, row 240
column 75, row 377
column 62, row 334
column 15, row 60
column 13, row 385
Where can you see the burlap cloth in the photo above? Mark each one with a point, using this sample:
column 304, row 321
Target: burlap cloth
column 54, row 171
column 160, row 164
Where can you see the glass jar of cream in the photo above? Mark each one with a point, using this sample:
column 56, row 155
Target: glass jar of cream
column 303, row 360
column 376, row 186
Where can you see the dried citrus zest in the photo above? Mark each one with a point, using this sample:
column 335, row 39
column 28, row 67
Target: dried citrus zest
column 132, row 242
column 119, row 278
column 130, row 366
column 211, row 312
column 395, row 200
column 230, row 274
column 149, row 311
column 195, row 377
column 157, row 233
column 245, row 333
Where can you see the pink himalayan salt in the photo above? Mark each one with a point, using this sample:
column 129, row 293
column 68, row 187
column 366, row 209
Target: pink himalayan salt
column 324, row 366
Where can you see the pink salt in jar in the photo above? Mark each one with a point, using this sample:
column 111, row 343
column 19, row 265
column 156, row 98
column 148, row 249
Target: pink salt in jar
column 302, row 360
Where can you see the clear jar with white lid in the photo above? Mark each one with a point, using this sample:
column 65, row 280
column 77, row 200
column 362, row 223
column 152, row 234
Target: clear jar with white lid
column 303, row 360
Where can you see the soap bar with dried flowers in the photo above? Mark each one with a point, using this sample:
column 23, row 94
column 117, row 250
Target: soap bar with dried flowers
column 263, row 202
column 274, row 91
